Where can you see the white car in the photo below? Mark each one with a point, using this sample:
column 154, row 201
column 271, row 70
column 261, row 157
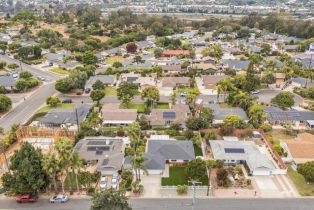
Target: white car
column 114, row 183
column 15, row 75
column 255, row 92
column 59, row 199
column 103, row 182
column 183, row 94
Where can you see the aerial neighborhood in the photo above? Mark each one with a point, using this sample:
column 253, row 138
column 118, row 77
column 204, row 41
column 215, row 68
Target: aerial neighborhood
column 155, row 106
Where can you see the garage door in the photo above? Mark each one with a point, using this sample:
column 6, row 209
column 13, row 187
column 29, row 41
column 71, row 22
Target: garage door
column 261, row 173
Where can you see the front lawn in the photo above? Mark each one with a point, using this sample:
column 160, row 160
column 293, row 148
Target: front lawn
column 59, row 71
column 198, row 151
column 46, row 109
column 140, row 107
column 178, row 176
column 110, row 91
column 162, row 106
column 300, row 183
column 113, row 59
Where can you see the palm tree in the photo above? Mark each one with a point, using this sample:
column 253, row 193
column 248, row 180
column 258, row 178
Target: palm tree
column 76, row 163
column 138, row 165
column 51, row 165
column 134, row 133
column 64, row 148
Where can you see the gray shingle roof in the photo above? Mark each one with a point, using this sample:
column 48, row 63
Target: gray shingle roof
column 106, row 79
column 290, row 115
column 236, row 64
column 160, row 151
column 304, row 82
column 7, row 81
column 221, row 113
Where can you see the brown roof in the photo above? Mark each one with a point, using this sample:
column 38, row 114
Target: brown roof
column 112, row 112
column 280, row 75
column 204, row 66
column 175, row 52
column 211, row 80
column 302, row 149
column 175, row 81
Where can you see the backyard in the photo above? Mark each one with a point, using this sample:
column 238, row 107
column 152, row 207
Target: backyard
column 178, row 176
column 302, row 186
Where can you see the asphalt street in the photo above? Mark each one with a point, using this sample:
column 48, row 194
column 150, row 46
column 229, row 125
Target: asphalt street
column 174, row 204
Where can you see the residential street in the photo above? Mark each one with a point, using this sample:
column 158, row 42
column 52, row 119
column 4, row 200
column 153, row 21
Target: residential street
column 175, row 204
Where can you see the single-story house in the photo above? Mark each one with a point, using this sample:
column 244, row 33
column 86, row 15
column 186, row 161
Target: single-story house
column 280, row 79
column 277, row 116
column 210, row 81
column 65, row 118
column 113, row 115
column 221, row 113
column 106, row 153
column 302, row 82
column 242, row 152
column 204, row 66
column 174, row 82
column 144, row 82
column 108, row 80
column 301, row 149
column 70, row 64
column 237, row 65
column 167, row 117
column 291, row 48
column 160, row 153
column 7, row 81
column 171, row 68
column 171, row 53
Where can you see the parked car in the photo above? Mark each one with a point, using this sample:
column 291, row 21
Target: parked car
column 183, row 94
column 41, row 78
column 114, row 183
column 103, row 182
column 26, row 198
column 67, row 101
column 59, row 199
column 15, row 75
column 87, row 90
column 255, row 92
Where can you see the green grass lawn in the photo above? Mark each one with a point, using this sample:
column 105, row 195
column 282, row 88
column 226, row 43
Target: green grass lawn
column 182, row 89
column 178, row 176
column 300, row 183
column 110, row 91
column 280, row 135
column 59, row 71
column 162, row 106
column 198, row 151
column 140, row 107
column 46, row 109
column 113, row 59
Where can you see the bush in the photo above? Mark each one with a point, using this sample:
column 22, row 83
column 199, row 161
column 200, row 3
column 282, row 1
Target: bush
column 182, row 189
column 90, row 191
column 266, row 127
column 5, row 103
column 226, row 130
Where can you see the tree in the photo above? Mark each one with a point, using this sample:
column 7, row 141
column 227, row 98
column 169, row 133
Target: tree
column 27, row 174
column 2, row 64
column 5, row 103
column 144, row 123
column 138, row 59
column 98, row 85
column 213, row 51
column 89, row 58
column 151, row 94
column 76, row 163
column 307, row 170
column 283, row 100
column 138, row 164
column 25, row 74
column 117, row 64
column 266, row 49
column 97, row 95
column 256, row 115
column 251, row 80
column 131, row 47
column 158, row 52
column 126, row 91
column 64, row 148
column 206, row 117
column 234, row 121
column 53, row 101
column 51, row 165
column 222, row 176
column 196, row 169
column 110, row 200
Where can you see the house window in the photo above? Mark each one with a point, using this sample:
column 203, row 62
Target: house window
column 173, row 160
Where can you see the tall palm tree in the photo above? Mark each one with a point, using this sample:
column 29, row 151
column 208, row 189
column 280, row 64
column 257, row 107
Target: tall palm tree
column 134, row 133
column 64, row 148
column 138, row 165
column 51, row 165
column 76, row 164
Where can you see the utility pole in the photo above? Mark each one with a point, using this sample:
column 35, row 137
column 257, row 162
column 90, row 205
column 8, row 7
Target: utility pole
column 77, row 120
column 194, row 190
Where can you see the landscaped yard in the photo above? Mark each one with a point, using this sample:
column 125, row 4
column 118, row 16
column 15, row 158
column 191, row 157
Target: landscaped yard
column 300, row 183
column 279, row 135
column 140, row 107
column 162, row 106
column 178, row 176
column 198, row 151
column 110, row 91
column 59, row 71
column 111, row 60
column 46, row 109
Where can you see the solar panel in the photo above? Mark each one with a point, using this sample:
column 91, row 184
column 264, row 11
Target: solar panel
column 131, row 79
column 234, row 150
column 169, row 115
column 98, row 148
column 98, row 152
column 98, row 143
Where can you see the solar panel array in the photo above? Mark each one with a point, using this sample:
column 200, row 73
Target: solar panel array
column 169, row 115
column 234, row 150
column 99, row 142
column 101, row 148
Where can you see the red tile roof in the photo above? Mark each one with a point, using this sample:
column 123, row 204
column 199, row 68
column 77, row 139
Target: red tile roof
column 175, row 52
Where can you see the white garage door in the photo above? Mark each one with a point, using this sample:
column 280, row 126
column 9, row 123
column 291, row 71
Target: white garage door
column 261, row 173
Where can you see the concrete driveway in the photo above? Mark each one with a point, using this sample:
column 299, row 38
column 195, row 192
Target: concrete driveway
column 152, row 186
column 266, row 95
column 267, row 186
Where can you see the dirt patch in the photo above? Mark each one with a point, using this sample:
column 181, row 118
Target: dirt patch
column 55, row 27
column 101, row 38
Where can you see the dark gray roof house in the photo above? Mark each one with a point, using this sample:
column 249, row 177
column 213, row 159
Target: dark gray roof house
column 277, row 115
column 109, row 80
column 65, row 117
column 221, row 113
column 7, row 81
column 237, row 65
column 302, row 82
column 161, row 151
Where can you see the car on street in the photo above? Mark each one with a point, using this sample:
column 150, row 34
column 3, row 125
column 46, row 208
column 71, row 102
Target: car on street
column 67, row 101
column 103, row 182
column 183, row 94
column 59, row 199
column 41, row 78
column 15, row 75
column 87, row 90
column 26, row 198
column 255, row 92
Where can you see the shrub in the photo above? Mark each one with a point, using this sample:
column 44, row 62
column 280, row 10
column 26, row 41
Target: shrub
column 226, row 130
column 266, row 127
column 182, row 189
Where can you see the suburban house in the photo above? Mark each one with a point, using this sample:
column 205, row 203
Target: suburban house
column 171, row 68
column 107, row 80
column 280, row 79
column 106, row 153
column 56, row 59
column 221, row 113
column 171, row 53
column 237, row 65
column 203, row 66
column 160, row 153
column 65, row 118
column 174, row 82
column 144, row 82
column 129, row 77
column 302, row 82
column 210, row 81
column 299, row 119
column 7, row 81
column 301, row 150
column 114, row 116
column 291, row 48
column 242, row 152
column 167, row 117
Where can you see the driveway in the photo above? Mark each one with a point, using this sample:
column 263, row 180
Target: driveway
column 202, row 89
column 267, row 187
column 152, row 186
column 266, row 95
